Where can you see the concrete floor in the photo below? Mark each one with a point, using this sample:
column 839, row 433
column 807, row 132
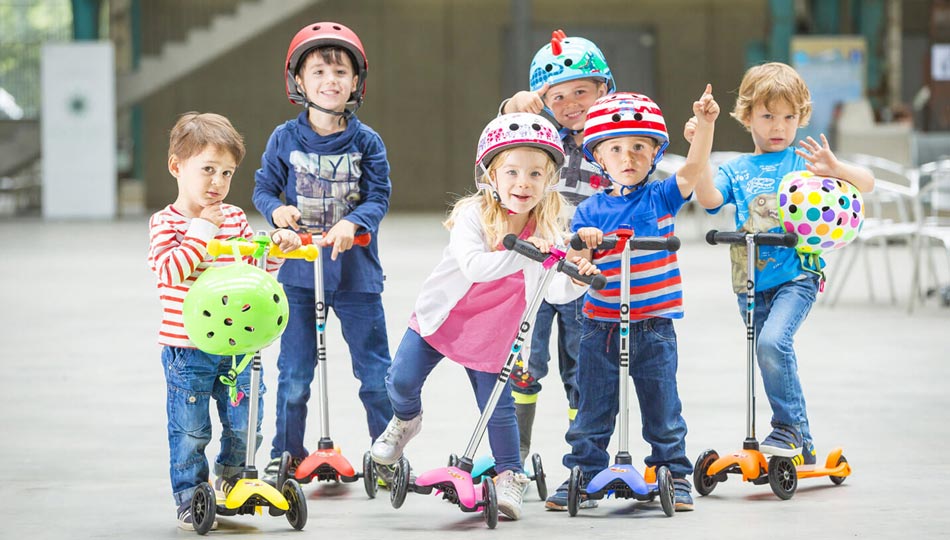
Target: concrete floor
column 83, row 425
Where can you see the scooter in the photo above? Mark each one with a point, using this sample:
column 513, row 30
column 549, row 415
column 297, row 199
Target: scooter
column 779, row 472
column 621, row 479
column 249, row 494
column 455, row 482
column 327, row 463
column 484, row 467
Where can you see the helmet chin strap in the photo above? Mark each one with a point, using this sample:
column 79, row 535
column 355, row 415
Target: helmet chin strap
column 344, row 116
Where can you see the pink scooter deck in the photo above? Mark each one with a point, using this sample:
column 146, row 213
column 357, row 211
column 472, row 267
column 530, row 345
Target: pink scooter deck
column 459, row 479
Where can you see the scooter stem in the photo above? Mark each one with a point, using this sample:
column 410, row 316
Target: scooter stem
column 624, row 395
column 321, row 318
column 750, row 443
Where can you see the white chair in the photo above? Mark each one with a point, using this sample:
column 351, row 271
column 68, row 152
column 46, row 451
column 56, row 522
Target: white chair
column 889, row 217
column 933, row 206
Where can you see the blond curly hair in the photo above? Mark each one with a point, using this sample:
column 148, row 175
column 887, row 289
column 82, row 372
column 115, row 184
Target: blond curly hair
column 769, row 83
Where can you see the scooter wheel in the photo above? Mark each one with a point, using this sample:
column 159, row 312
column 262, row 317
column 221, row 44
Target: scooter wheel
column 297, row 502
column 705, row 484
column 539, row 478
column 370, row 482
column 664, row 483
column 574, row 491
column 782, row 477
column 837, row 480
column 203, row 508
column 400, row 484
column 284, row 469
column 490, row 503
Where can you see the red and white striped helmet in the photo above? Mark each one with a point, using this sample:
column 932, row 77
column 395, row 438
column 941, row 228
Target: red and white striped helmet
column 517, row 129
column 624, row 114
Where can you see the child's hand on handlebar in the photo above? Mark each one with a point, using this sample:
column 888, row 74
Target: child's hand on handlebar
column 286, row 240
column 543, row 245
column 585, row 267
column 340, row 236
column 592, row 236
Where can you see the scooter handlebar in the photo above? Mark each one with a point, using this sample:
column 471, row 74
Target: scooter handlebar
column 247, row 248
column 527, row 249
column 668, row 243
column 362, row 239
column 785, row 239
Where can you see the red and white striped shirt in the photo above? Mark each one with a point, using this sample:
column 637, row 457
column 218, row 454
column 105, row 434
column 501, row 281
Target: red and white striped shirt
column 178, row 254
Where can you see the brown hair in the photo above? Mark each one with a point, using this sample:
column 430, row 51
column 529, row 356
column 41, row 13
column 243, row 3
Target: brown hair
column 195, row 131
column 331, row 54
column 769, row 83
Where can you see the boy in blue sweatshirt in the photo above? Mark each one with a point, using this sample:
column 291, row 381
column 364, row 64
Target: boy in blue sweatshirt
column 332, row 173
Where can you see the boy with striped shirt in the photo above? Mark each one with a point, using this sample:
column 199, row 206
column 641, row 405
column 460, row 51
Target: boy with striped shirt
column 204, row 151
column 625, row 136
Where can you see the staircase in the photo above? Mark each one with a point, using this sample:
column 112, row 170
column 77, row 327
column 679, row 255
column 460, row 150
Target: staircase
column 203, row 45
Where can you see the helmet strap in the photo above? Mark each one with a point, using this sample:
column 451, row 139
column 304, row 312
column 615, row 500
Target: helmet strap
column 230, row 380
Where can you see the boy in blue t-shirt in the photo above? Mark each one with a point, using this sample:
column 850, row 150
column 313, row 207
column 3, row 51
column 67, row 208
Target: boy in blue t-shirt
column 773, row 103
column 625, row 135
column 331, row 170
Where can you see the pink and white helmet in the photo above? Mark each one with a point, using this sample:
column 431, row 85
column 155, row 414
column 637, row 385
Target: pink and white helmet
column 624, row 114
column 517, row 129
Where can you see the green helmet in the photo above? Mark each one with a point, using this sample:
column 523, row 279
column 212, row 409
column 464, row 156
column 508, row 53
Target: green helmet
column 234, row 309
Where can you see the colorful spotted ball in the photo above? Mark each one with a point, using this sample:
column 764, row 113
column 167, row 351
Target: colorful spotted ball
column 825, row 213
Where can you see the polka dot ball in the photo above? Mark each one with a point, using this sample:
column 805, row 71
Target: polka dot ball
column 825, row 213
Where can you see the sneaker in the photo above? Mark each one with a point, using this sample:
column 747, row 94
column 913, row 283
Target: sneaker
column 185, row 522
column 783, row 441
column 682, row 495
column 384, row 475
column 558, row 501
column 273, row 469
column 808, row 456
column 388, row 447
column 511, row 486
column 222, row 486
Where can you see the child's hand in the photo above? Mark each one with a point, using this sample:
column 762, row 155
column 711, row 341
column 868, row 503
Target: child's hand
column 286, row 216
column 213, row 214
column 689, row 130
column 821, row 160
column 525, row 101
column 286, row 240
column 592, row 236
column 584, row 267
column 706, row 110
column 340, row 236
column 543, row 245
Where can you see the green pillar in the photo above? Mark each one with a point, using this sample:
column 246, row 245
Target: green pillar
column 86, row 20
column 870, row 19
column 783, row 28
column 827, row 16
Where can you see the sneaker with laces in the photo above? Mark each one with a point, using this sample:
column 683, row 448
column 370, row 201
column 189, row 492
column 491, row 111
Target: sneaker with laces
column 783, row 441
column 185, row 522
column 510, row 487
column 558, row 501
column 388, row 447
column 682, row 495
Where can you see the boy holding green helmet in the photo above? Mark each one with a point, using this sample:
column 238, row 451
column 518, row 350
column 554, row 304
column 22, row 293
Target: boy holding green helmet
column 204, row 151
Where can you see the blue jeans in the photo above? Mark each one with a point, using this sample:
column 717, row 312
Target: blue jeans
column 653, row 362
column 191, row 377
column 569, row 322
column 415, row 359
column 779, row 312
column 363, row 324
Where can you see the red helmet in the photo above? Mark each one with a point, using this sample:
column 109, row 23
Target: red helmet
column 324, row 34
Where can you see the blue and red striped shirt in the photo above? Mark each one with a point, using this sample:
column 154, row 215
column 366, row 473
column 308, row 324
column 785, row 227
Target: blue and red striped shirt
column 655, row 286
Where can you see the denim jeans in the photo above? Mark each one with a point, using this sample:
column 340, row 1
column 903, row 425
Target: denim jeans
column 363, row 324
column 653, row 362
column 413, row 362
column 779, row 312
column 192, row 380
column 569, row 322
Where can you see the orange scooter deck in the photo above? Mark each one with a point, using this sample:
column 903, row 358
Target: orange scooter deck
column 835, row 465
column 752, row 463
column 331, row 458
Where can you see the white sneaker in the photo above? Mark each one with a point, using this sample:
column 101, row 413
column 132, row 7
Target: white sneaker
column 388, row 447
column 511, row 487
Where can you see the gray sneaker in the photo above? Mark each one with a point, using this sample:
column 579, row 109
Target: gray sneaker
column 784, row 441
column 388, row 447
column 510, row 487
column 558, row 501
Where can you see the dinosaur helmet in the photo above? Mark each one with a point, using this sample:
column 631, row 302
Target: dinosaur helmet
column 568, row 58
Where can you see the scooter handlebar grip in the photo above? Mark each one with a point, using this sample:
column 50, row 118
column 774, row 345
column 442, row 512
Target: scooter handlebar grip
column 362, row 239
column 669, row 243
column 218, row 247
column 596, row 281
column 308, row 252
column 714, row 237
column 578, row 244
column 513, row 243
column 776, row 239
